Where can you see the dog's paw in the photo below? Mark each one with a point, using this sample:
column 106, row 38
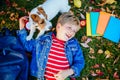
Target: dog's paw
column 28, row 38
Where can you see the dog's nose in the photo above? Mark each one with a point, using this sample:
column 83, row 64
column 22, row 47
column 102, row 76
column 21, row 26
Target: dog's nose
column 50, row 26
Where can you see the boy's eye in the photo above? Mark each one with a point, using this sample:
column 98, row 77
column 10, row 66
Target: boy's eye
column 69, row 28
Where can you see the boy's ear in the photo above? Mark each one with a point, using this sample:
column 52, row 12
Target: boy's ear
column 58, row 25
column 71, row 12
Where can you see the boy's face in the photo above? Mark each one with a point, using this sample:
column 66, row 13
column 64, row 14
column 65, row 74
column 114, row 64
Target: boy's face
column 66, row 31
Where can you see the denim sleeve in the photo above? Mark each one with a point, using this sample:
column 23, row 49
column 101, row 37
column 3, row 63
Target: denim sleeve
column 28, row 45
column 78, row 61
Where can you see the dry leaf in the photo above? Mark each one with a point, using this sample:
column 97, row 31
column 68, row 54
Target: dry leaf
column 14, row 4
column 98, row 38
column 108, row 54
column 99, row 72
column 116, row 60
column 91, row 51
column 93, row 73
column 85, row 78
column 91, row 57
column 108, row 10
column 100, row 51
column 14, row 16
column 85, row 44
column 2, row 13
column 116, row 76
column 106, row 2
column 84, row 38
column 103, row 65
column 82, row 16
column 110, row 1
column 3, row 22
column 96, row 66
column 119, row 45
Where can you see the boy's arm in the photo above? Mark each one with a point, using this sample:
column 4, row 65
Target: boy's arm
column 28, row 45
column 78, row 62
column 62, row 75
column 22, row 34
column 76, row 68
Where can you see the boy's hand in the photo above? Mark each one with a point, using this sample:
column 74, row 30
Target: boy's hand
column 62, row 75
column 22, row 21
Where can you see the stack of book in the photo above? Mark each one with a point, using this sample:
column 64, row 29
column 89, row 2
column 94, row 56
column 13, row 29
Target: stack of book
column 103, row 24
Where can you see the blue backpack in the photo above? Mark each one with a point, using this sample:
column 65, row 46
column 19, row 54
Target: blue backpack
column 13, row 59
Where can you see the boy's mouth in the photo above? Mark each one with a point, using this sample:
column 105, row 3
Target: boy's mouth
column 68, row 36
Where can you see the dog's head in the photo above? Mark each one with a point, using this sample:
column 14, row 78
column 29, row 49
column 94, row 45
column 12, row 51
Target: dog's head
column 39, row 18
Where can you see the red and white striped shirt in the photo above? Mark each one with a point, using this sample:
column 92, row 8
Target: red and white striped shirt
column 57, row 60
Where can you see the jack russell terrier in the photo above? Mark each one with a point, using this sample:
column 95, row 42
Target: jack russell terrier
column 40, row 16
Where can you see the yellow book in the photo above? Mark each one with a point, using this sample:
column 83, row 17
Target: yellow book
column 88, row 25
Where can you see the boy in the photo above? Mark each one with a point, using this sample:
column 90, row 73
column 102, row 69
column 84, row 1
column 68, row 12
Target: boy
column 55, row 55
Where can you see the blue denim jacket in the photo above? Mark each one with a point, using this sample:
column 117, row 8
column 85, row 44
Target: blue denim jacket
column 40, row 49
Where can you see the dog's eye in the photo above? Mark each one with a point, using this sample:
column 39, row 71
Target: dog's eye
column 42, row 21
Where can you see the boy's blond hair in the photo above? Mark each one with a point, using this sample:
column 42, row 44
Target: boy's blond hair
column 69, row 18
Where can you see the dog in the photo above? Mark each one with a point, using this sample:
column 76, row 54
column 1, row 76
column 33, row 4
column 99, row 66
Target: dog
column 40, row 16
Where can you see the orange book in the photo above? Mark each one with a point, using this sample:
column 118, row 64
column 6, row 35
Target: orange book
column 102, row 22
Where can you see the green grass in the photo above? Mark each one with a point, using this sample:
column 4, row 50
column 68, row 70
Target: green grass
column 108, row 66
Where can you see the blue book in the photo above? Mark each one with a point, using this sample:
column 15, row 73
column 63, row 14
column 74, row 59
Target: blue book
column 112, row 31
column 94, row 16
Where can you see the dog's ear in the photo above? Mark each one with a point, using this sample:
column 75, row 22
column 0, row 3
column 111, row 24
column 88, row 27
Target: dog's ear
column 35, row 17
column 41, row 11
column 42, row 23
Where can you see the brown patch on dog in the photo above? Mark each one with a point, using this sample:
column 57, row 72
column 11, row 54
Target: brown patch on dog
column 42, row 23
column 41, row 11
column 35, row 18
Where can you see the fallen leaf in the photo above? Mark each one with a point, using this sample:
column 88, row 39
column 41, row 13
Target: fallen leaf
column 8, row 3
column 99, row 72
column 14, row 4
column 2, row 12
column 91, row 57
column 116, row 60
column 85, row 44
column 119, row 45
column 82, row 16
column 3, row 22
column 100, row 51
column 77, row 3
column 91, row 50
column 108, row 54
column 103, row 65
column 107, row 2
column 84, row 38
column 96, row 66
column 93, row 73
column 115, row 75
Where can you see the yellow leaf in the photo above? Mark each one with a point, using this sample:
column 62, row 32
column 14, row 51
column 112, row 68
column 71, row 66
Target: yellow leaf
column 77, row 3
column 110, row 1
column 107, row 52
